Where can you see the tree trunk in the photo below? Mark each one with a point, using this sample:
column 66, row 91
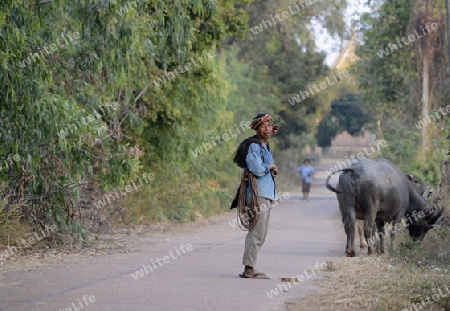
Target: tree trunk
column 425, row 100
column 379, row 129
column 445, row 180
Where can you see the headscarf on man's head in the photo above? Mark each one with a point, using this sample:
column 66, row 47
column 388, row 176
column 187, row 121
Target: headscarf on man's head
column 261, row 118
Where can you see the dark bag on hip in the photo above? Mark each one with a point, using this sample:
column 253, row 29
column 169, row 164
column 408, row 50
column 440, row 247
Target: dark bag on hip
column 234, row 204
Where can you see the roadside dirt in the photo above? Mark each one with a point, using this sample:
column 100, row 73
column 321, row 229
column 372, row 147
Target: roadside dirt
column 378, row 282
column 128, row 239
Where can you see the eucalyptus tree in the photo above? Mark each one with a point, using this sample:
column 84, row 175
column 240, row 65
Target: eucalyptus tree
column 281, row 48
column 82, row 97
column 401, row 77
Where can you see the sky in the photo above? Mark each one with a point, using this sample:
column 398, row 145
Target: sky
column 331, row 46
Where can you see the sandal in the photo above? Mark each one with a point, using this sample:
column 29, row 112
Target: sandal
column 257, row 275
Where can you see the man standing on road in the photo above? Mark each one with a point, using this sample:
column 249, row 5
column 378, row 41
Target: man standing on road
column 306, row 171
column 259, row 161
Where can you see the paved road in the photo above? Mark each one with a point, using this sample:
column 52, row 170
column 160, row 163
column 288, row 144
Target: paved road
column 205, row 277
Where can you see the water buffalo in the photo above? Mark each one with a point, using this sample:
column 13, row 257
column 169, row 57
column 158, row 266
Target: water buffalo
column 378, row 192
column 417, row 184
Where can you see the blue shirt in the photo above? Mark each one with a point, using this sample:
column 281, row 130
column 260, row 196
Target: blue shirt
column 305, row 170
column 258, row 161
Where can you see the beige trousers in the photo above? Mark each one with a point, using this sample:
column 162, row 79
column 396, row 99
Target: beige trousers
column 257, row 235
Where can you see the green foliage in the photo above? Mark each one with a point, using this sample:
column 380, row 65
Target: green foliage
column 190, row 187
column 405, row 246
column 390, row 86
column 284, row 61
column 326, row 131
column 402, row 150
column 386, row 81
column 349, row 114
column 57, row 108
column 94, row 92
column 346, row 114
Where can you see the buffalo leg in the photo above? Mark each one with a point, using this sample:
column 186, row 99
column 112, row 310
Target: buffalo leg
column 362, row 239
column 349, row 225
column 369, row 233
column 372, row 205
column 347, row 201
column 393, row 233
column 380, row 233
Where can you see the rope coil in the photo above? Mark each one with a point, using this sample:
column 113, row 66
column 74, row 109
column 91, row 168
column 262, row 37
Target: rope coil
column 248, row 215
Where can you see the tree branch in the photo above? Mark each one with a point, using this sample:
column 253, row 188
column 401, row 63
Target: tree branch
column 68, row 187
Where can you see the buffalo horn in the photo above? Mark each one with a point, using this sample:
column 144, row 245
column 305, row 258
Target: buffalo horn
column 438, row 211
column 444, row 205
column 425, row 194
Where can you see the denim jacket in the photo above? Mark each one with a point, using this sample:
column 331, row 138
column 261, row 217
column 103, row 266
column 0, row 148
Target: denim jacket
column 258, row 165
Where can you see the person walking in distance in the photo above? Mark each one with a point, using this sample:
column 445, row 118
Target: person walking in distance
column 306, row 171
column 255, row 156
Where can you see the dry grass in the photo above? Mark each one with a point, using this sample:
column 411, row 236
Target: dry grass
column 13, row 230
column 414, row 273
column 375, row 283
column 12, row 227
